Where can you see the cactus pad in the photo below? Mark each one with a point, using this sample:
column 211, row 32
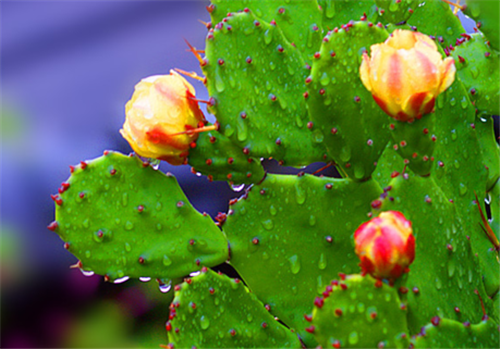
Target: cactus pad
column 294, row 234
column 121, row 218
column 214, row 311
column 359, row 312
column 255, row 78
column 354, row 128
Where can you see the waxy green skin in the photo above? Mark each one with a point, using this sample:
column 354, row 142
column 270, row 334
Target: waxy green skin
column 289, row 236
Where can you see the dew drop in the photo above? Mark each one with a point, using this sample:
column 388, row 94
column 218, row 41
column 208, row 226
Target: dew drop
column 237, row 188
column 87, row 272
column 125, row 199
column 268, row 224
column 322, row 262
column 294, row 264
column 121, row 280
column 166, row 261
column 165, row 288
column 353, row 338
column 204, row 322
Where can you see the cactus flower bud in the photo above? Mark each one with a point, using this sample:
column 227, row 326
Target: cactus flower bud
column 385, row 245
column 405, row 74
column 158, row 115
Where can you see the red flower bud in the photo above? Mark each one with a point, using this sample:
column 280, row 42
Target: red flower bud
column 385, row 245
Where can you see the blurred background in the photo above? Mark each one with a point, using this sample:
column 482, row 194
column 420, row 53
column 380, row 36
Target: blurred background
column 67, row 70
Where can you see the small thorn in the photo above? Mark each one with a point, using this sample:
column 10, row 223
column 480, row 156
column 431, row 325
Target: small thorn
column 77, row 265
column 190, row 74
column 195, row 52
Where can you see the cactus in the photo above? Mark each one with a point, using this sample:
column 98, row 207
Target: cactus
column 284, row 83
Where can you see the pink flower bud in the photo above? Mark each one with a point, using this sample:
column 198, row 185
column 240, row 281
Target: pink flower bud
column 405, row 74
column 385, row 245
column 158, row 115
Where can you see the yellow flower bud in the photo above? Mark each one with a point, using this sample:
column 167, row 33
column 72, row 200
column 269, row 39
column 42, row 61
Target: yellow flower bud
column 405, row 74
column 158, row 115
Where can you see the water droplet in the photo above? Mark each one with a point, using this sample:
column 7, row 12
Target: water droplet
column 451, row 267
column 474, row 71
column 128, row 248
column 464, row 103
column 294, row 263
column 165, row 288
column 144, row 279
column 86, row 223
column 273, row 210
column 124, row 199
column 166, row 261
column 322, row 262
column 242, row 129
column 87, row 272
column 204, row 322
column 359, row 171
column 219, row 82
column 345, row 153
column 324, row 79
column 312, row 220
column 159, row 227
column 237, row 188
column 268, row 224
column 121, row 280
column 249, row 317
column 300, row 194
column 129, row 225
column 317, row 136
column 87, row 254
column 353, row 338
column 438, row 283
column 462, row 189
column 268, row 36
column 453, row 134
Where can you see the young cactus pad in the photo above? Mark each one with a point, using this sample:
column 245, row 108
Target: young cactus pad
column 284, row 83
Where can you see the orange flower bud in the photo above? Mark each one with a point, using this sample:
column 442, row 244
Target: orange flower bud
column 158, row 115
column 385, row 245
column 405, row 74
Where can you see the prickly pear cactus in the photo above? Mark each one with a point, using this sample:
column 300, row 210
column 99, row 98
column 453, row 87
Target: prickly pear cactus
column 318, row 81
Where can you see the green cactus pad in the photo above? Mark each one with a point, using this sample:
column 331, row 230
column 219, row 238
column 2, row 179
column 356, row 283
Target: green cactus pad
column 300, row 21
column 444, row 25
column 214, row 311
column 121, row 218
column 487, row 16
column 360, row 313
column 446, row 333
column 396, row 11
column 339, row 12
column 344, row 113
column 256, row 80
column 221, row 160
column 445, row 272
column 460, row 170
column 292, row 235
column 477, row 66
